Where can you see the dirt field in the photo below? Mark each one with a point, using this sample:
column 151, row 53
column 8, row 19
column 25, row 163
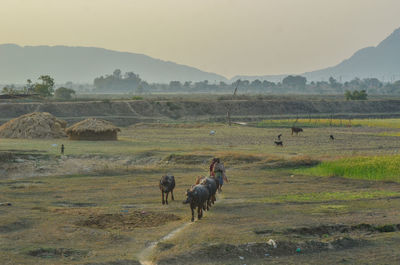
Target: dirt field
column 100, row 203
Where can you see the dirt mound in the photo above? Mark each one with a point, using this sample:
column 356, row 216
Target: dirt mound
column 295, row 162
column 188, row 159
column 117, row 262
column 57, row 253
column 34, row 125
column 261, row 250
column 340, row 228
column 15, row 226
column 230, row 159
column 128, row 221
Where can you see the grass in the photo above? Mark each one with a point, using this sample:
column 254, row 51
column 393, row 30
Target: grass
column 257, row 196
column 382, row 168
column 326, row 196
column 316, row 123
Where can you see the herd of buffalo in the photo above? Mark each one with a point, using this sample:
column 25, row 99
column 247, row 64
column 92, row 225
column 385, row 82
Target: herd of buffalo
column 200, row 196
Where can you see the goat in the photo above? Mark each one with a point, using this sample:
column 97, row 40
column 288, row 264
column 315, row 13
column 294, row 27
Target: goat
column 167, row 184
column 279, row 137
column 331, row 137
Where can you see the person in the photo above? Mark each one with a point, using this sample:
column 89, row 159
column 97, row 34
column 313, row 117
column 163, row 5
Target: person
column 212, row 174
column 62, row 149
column 219, row 171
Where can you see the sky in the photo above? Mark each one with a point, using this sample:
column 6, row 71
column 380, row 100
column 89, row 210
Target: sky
column 228, row 37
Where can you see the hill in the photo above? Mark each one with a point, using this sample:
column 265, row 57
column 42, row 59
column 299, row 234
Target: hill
column 83, row 64
column 382, row 62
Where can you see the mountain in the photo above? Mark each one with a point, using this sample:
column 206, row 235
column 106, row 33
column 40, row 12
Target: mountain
column 83, row 64
column 382, row 62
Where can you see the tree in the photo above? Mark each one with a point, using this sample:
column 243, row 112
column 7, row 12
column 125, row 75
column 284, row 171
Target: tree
column 64, row 93
column 295, row 81
column 356, row 95
column 117, row 74
column 46, row 88
column 175, row 85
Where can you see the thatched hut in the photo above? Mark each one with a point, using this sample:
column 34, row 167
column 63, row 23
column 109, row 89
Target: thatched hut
column 93, row 129
column 36, row 125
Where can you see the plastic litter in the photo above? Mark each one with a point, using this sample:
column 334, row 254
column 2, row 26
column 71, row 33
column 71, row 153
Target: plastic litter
column 212, row 132
column 272, row 243
column 240, row 257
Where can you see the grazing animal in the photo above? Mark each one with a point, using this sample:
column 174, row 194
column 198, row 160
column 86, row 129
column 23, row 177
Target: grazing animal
column 331, row 137
column 197, row 197
column 279, row 137
column 296, row 130
column 167, row 184
column 278, row 143
column 211, row 185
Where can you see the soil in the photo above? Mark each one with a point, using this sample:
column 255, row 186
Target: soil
column 129, row 221
column 261, row 250
column 57, row 253
column 124, row 113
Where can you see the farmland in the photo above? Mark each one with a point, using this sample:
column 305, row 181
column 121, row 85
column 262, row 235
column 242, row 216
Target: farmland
column 321, row 201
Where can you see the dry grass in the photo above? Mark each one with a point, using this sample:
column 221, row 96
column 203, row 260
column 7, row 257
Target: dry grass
column 263, row 194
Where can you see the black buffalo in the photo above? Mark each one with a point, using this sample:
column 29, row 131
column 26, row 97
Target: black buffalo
column 167, row 184
column 211, row 185
column 197, row 197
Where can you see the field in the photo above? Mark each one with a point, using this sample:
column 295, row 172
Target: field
column 321, row 201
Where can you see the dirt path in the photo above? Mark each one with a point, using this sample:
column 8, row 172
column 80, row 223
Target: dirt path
column 145, row 254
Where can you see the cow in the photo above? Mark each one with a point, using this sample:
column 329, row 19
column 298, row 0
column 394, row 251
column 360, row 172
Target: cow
column 278, row 143
column 167, row 184
column 296, row 130
column 211, row 185
column 197, row 197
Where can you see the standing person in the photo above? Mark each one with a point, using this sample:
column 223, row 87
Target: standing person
column 219, row 171
column 212, row 174
column 62, row 149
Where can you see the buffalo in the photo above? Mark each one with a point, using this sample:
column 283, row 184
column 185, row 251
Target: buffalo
column 296, row 130
column 197, row 197
column 211, row 184
column 167, row 184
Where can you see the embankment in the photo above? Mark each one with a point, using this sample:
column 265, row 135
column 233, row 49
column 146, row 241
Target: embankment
column 130, row 112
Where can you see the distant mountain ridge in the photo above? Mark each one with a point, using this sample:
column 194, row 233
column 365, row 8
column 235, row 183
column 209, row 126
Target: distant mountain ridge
column 83, row 64
column 382, row 62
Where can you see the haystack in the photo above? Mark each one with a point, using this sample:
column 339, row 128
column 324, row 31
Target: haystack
column 41, row 125
column 93, row 129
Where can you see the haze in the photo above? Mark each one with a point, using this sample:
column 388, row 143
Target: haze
column 227, row 37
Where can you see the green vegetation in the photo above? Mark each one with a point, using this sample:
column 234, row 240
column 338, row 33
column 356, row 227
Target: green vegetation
column 356, row 95
column 319, row 123
column 385, row 168
column 327, row 196
column 64, row 93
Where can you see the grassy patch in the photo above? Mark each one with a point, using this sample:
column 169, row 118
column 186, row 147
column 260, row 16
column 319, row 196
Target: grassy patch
column 316, row 123
column 326, row 196
column 385, row 168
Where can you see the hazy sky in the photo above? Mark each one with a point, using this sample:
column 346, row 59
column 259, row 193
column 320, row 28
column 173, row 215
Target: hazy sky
column 228, row 37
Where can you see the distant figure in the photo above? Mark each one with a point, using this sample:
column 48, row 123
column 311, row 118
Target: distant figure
column 331, row 136
column 62, row 149
column 296, row 130
column 279, row 137
column 278, row 143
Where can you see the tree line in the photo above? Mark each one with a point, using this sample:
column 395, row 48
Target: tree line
column 43, row 88
column 358, row 88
